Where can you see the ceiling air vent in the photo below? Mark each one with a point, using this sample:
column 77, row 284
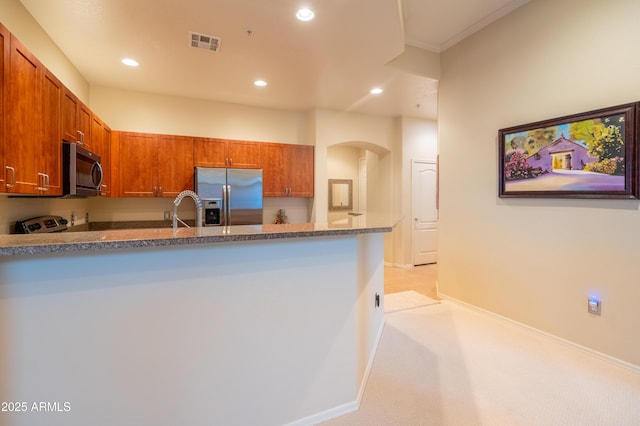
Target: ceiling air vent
column 203, row 41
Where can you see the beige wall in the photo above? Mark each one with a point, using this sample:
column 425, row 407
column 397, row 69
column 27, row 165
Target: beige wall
column 144, row 112
column 20, row 22
column 537, row 260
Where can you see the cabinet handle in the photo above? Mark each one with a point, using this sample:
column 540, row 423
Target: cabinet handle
column 47, row 182
column 13, row 176
column 41, row 180
column 80, row 137
column 155, row 191
column 160, row 192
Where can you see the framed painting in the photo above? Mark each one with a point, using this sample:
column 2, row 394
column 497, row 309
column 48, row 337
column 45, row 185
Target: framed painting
column 588, row 155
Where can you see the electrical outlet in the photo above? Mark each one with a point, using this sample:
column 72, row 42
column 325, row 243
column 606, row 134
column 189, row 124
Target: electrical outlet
column 594, row 306
column 73, row 218
column 167, row 215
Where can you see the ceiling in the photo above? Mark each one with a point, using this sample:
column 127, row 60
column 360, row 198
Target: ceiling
column 331, row 62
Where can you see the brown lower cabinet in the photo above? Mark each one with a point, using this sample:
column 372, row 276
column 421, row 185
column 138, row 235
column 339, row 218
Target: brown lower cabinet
column 151, row 165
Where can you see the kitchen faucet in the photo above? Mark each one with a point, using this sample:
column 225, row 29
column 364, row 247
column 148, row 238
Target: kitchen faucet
column 199, row 206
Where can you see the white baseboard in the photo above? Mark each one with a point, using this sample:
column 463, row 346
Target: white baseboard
column 349, row 407
column 591, row 352
column 372, row 357
column 399, row 265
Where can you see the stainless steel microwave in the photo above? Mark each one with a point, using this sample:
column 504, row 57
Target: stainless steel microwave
column 81, row 171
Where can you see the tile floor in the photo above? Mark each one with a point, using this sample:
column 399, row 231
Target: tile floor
column 421, row 278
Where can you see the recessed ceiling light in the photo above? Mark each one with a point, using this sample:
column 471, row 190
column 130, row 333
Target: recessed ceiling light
column 130, row 62
column 376, row 91
column 260, row 83
column 305, row 14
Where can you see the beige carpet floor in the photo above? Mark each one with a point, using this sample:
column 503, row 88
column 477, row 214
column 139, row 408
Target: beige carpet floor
column 444, row 364
column 406, row 300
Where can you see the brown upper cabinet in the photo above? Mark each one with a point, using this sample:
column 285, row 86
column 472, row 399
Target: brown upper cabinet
column 107, row 170
column 152, row 165
column 211, row 152
column 288, row 170
column 5, row 40
column 32, row 143
column 101, row 145
column 51, row 115
column 76, row 120
column 37, row 112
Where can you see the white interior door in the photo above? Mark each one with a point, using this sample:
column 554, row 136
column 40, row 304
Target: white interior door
column 424, row 183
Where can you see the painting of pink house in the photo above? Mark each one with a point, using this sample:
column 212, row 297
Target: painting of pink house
column 562, row 154
column 587, row 155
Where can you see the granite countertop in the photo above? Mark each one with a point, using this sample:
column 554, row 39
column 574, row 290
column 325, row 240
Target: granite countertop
column 165, row 236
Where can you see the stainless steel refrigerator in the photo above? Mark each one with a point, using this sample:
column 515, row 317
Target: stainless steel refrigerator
column 236, row 193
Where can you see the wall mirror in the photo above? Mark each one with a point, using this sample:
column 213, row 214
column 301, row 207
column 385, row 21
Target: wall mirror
column 340, row 194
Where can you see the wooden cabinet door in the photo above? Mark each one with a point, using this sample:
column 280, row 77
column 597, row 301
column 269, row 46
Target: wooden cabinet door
column 50, row 157
column 103, row 148
column 84, row 125
column 22, row 147
column 101, row 145
column 244, row 155
column 70, row 106
column 300, row 170
column 287, row 170
column 212, row 152
column 97, row 145
column 137, row 164
column 76, row 120
column 175, row 165
column 208, row 152
column 4, row 67
column 274, row 177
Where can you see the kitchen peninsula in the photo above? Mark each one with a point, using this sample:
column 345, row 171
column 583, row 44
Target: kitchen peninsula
column 265, row 324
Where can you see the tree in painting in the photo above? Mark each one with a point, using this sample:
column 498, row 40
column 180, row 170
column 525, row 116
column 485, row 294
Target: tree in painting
column 604, row 139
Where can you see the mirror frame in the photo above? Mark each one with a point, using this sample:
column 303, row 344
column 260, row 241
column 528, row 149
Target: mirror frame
column 348, row 182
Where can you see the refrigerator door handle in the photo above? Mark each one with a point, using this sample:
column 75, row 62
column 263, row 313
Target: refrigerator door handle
column 228, row 204
column 224, row 220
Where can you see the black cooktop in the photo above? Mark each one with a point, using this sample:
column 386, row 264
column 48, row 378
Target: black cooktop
column 41, row 224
